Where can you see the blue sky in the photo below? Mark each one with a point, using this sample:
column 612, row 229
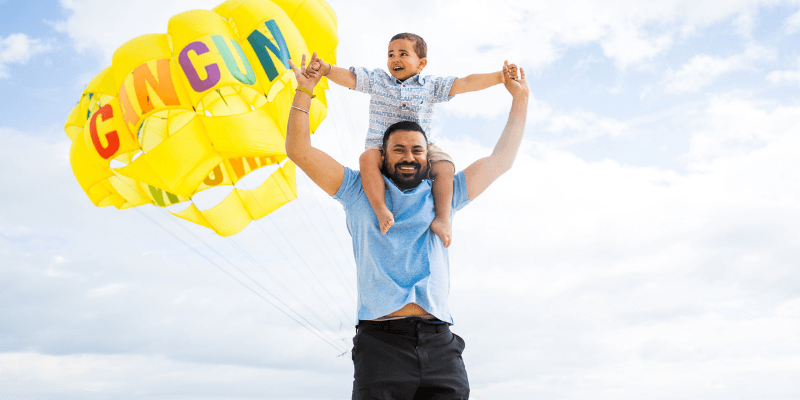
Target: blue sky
column 644, row 246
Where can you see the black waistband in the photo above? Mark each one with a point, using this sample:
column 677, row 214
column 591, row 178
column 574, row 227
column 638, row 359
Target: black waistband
column 405, row 326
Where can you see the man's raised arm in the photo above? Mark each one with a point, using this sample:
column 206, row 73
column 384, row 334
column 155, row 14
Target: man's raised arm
column 480, row 174
column 326, row 172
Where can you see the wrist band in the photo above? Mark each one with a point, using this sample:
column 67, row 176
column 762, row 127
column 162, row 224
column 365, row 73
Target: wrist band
column 298, row 108
column 306, row 91
column 330, row 68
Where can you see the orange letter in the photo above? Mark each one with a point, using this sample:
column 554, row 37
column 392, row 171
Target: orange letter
column 163, row 87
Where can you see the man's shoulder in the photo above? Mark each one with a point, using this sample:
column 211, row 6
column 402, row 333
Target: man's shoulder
column 351, row 186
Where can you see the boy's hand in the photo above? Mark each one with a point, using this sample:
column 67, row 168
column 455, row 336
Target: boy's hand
column 306, row 76
column 518, row 86
column 321, row 67
column 513, row 71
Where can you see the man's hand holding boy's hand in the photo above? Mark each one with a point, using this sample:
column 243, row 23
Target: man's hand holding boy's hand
column 307, row 77
column 513, row 71
column 320, row 67
column 516, row 85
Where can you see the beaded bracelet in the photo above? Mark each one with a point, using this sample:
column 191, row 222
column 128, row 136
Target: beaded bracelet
column 306, row 91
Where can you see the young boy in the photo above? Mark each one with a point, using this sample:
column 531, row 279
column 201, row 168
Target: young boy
column 405, row 95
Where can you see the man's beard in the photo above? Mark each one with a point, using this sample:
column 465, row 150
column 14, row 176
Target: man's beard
column 404, row 181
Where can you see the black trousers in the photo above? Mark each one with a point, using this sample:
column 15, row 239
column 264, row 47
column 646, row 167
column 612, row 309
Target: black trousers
column 409, row 358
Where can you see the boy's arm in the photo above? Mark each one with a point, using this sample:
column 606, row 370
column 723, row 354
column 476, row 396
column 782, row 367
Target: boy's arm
column 475, row 82
column 339, row 76
column 480, row 174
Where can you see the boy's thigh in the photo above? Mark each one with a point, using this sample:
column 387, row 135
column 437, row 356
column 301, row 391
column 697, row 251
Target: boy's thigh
column 386, row 366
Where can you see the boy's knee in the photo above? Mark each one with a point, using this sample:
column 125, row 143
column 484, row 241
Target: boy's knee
column 370, row 156
column 444, row 168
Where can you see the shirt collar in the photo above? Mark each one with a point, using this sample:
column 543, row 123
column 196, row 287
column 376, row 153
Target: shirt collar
column 414, row 79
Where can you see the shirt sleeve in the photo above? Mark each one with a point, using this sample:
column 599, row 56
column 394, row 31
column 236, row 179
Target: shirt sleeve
column 363, row 79
column 460, row 197
column 350, row 189
column 441, row 88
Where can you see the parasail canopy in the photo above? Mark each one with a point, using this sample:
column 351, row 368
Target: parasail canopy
column 181, row 115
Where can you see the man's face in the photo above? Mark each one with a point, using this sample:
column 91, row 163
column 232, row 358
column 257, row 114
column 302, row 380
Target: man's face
column 405, row 158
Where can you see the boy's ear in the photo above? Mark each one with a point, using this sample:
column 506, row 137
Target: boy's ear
column 422, row 63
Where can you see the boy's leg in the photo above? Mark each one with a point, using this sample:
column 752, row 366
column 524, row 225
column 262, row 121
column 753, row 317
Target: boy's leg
column 374, row 187
column 442, row 173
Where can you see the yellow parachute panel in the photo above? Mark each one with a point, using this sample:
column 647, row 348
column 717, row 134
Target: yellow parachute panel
column 201, row 107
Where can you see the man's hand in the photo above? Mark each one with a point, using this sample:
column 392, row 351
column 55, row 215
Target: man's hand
column 516, row 85
column 307, row 77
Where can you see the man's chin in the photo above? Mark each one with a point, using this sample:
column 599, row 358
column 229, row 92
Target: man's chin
column 413, row 180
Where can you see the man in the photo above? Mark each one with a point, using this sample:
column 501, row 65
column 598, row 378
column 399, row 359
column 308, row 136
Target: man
column 403, row 348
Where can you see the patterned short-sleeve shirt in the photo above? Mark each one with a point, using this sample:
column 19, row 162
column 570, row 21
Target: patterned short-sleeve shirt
column 393, row 100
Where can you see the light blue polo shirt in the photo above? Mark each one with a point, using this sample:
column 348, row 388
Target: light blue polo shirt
column 408, row 264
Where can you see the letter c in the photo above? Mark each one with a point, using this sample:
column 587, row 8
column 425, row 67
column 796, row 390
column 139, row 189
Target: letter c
column 212, row 70
column 113, row 139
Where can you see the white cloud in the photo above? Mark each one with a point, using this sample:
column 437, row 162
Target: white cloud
column 637, row 275
column 462, row 39
column 18, row 48
column 793, row 23
column 613, row 281
column 702, row 70
column 107, row 290
column 626, row 46
column 790, row 76
column 91, row 376
column 119, row 22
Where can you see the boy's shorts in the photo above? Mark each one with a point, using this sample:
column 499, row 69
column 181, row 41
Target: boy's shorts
column 435, row 153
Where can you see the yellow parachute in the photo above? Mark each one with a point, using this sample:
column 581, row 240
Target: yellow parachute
column 201, row 107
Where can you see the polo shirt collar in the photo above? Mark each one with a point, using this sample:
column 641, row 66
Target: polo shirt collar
column 414, row 79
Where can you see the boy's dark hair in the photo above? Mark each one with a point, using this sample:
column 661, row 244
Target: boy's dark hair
column 419, row 43
column 403, row 126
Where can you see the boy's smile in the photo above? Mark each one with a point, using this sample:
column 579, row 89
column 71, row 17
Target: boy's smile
column 403, row 62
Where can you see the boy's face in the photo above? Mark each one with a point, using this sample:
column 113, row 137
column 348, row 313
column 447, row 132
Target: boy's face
column 403, row 62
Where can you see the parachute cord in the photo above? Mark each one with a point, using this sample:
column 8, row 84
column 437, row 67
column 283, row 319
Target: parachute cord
column 327, row 304
column 349, row 294
column 326, row 257
column 338, row 264
column 247, row 275
column 333, row 231
column 307, row 266
column 349, row 123
column 252, row 279
column 338, row 349
column 341, row 309
column 342, row 146
column 265, row 271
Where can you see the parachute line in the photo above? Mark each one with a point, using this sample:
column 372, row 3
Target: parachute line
column 338, row 349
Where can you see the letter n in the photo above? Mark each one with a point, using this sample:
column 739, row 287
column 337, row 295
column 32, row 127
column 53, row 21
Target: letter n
column 261, row 44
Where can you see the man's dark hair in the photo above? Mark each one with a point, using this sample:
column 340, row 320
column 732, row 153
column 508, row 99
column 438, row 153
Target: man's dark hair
column 403, row 126
column 419, row 43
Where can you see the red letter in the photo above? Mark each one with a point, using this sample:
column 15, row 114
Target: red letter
column 113, row 140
